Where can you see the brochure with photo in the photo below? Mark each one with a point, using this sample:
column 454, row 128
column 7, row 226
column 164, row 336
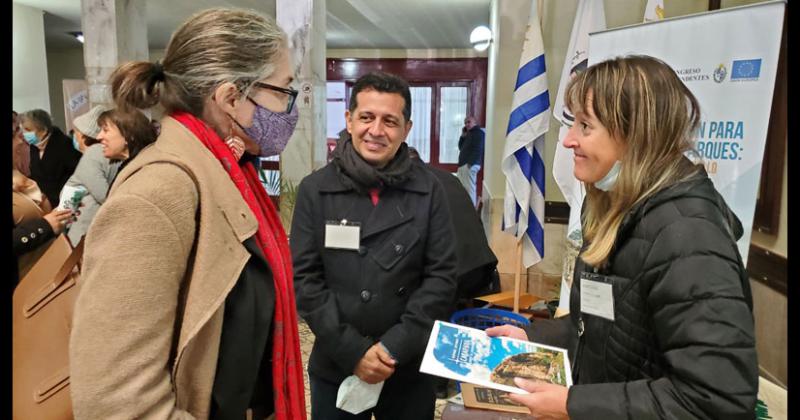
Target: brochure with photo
column 469, row 355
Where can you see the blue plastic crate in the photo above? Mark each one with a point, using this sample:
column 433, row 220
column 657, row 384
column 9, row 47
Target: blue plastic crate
column 483, row 318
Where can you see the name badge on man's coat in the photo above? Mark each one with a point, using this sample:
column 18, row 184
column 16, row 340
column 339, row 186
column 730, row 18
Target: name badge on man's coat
column 342, row 235
column 597, row 295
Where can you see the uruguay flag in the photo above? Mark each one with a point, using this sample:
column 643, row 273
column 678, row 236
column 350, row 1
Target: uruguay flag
column 522, row 162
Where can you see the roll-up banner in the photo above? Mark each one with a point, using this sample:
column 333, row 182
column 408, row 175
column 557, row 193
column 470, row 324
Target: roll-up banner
column 76, row 100
column 728, row 59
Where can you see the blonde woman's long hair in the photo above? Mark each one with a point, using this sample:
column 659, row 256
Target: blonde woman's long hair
column 644, row 105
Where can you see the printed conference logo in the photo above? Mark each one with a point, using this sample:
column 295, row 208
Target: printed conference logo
column 741, row 71
column 719, row 73
column 692, row 74
column 746, row 70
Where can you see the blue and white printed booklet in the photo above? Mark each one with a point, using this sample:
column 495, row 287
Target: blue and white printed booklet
column 469, row 355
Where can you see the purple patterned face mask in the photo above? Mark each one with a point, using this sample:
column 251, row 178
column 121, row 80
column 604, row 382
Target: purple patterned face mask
column 271, row 130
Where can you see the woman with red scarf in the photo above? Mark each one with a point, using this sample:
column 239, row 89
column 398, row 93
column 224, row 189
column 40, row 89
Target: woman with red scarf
column 186, row 308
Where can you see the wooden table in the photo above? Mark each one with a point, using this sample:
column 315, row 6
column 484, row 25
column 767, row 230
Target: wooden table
column 506, row 299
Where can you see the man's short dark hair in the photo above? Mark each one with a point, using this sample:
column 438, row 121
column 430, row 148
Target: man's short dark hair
column 384, row 83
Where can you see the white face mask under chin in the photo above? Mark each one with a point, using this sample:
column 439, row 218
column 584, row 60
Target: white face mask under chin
column 608, row 181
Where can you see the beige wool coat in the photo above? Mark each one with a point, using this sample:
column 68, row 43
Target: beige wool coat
column 161, row 256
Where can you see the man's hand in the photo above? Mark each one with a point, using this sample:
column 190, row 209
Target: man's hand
column 546, row 401
column 507, row 331
column 376, row 365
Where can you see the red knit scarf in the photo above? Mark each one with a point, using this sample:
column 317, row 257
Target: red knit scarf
column 287, row 367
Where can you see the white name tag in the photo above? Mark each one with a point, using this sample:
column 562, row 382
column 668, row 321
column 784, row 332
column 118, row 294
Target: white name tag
column 342, row 236
column 597, row 298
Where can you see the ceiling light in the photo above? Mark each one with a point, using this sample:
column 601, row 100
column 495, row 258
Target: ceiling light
column 480, row 38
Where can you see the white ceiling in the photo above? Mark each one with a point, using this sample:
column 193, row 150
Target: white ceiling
column 406, row 24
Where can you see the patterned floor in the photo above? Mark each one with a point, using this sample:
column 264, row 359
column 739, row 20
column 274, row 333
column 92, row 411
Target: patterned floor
column 307, row 341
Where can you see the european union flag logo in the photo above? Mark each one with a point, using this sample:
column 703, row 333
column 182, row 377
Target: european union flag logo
column 746, row 69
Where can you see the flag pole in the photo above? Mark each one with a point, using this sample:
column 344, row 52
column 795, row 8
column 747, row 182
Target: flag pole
column 517, row 269
column 522, row 161
column 539, row 8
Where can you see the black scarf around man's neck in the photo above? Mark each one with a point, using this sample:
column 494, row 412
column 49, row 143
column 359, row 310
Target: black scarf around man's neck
column 362, row 176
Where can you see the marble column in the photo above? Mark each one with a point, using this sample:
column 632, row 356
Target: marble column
column 114, row 31
column 304, row 23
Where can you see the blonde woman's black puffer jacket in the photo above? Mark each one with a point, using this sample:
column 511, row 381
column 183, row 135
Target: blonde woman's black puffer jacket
column 681, row 345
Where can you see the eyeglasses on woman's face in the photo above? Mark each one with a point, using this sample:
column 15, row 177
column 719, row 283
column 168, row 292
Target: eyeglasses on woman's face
column 288, row 91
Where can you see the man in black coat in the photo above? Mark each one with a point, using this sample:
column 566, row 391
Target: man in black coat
column 470, row 156
column 374, row 259
column 53, row 157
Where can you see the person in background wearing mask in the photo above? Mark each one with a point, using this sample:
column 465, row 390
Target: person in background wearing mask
column 374, row 255
column 86, row 129
column 186, row 307
column 95, row 171
column 665, row 328
column 52, row 158
column 20, row 149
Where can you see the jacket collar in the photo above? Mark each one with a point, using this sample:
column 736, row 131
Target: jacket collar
column 178, row 145
column 697, row 186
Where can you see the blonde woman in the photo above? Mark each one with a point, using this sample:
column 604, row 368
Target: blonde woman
column 666, row 330
column 186, row 308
